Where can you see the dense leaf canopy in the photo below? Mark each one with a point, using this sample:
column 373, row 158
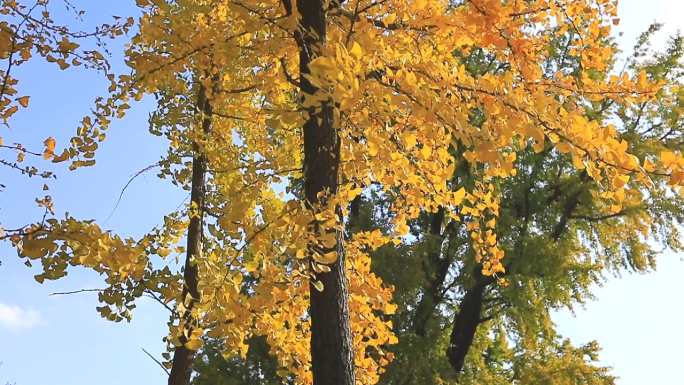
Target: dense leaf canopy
column 494, row 163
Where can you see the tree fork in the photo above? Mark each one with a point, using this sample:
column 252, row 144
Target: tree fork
column 181, row 366
column 332, row 361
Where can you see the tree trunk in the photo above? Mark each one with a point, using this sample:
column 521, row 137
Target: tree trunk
column 436, row 269
column 182, row 357
column 465, row 324
column 332, row 361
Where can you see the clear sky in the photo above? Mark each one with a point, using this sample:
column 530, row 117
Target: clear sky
column 61, row 340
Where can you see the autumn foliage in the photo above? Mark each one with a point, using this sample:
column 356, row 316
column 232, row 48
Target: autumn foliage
column 443, row 110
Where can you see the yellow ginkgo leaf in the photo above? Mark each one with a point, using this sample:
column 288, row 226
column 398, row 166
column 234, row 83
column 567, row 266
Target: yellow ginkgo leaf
column 194, row 344
column 49, row 151
column 326, row 258
column 61, row 158
column 409, row 139
column 420, row 4
column 356, row 50
column 23, row 101
column 459, row 195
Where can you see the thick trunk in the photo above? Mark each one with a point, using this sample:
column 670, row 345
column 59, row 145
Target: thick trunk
column 182, row 357
column 332, row 360
column 465, row 324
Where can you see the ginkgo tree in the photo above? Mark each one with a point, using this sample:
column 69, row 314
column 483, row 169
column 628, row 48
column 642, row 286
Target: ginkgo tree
column 334, row 100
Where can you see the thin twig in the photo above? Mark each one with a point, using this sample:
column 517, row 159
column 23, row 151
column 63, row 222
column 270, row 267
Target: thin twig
column 157, row 361
column 77, row 291
column 123, row 190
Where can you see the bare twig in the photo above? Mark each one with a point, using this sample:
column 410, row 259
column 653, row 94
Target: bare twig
column 123, row 190
column 78, row 291
column 157, row 361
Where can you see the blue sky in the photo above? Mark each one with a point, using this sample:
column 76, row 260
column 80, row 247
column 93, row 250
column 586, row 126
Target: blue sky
column 61, row 340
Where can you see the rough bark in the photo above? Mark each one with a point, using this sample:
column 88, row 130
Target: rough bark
column 332, row 360
column 182, row 357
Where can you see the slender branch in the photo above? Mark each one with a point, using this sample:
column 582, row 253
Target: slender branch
column 288, row 76
column 78, row 291
column 157, row 361
column 123, row 190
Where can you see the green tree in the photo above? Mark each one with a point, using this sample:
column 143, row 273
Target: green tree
column 257, row 368
column 559, row 241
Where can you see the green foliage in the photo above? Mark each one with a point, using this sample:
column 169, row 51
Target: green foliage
column 257, row 368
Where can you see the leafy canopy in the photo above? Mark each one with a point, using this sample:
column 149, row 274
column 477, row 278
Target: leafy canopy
column 410, row 113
